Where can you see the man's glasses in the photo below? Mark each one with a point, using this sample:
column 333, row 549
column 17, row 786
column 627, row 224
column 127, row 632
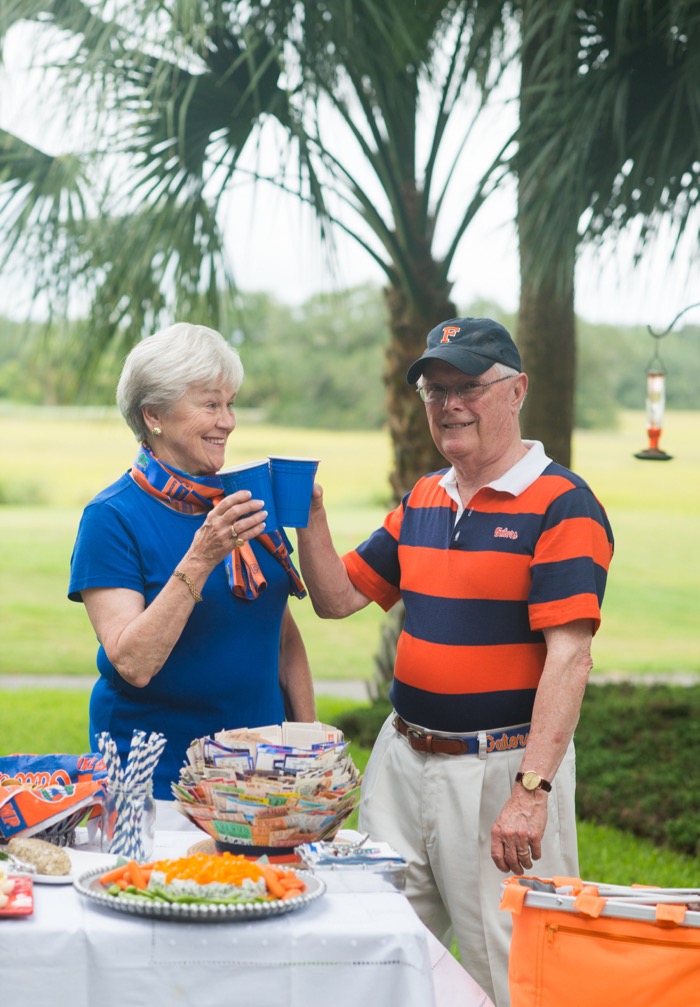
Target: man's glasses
column 468, row 392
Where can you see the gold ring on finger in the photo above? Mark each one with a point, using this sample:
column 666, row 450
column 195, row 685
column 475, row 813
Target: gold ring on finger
column 237, row 540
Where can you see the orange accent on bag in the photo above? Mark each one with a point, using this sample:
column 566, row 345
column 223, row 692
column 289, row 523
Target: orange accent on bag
column 559, row 957
column 589, row 902
column 673, row 916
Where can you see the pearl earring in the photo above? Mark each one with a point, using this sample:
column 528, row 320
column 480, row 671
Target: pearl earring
column 156, row 431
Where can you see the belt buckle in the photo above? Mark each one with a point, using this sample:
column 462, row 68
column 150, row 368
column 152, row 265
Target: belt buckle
column 413, row 732
column 418, row 741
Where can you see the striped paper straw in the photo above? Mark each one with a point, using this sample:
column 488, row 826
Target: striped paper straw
column 143, row 758
column 108, row 749
column 146, row 761
column 135, row 749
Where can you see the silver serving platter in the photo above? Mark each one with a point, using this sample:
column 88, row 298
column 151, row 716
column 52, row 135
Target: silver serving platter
column 88, row 884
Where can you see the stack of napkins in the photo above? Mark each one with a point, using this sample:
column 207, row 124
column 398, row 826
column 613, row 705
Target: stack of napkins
column 275, row 786
column 352, row 853
column 341, row 854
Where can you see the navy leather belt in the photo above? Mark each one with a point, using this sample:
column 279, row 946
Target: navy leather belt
column 478, row 743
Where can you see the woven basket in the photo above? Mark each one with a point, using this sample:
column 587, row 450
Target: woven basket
column 62, row 833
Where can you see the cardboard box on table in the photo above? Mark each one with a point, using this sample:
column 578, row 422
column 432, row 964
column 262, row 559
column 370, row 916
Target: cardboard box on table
column 583, row 944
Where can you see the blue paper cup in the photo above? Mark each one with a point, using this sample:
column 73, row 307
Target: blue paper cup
column 292, row 485
column 253, row 476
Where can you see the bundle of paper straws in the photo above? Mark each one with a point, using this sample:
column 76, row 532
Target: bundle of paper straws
column 128, row 787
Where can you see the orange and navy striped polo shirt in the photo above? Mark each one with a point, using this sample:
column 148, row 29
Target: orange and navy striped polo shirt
column 479, row 591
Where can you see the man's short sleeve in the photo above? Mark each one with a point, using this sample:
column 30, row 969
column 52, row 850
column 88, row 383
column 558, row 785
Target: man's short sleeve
column 374, row 566
column 570, row 565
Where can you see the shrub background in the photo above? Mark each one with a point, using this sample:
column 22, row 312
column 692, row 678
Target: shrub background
column 637, row 757
column 637, row 753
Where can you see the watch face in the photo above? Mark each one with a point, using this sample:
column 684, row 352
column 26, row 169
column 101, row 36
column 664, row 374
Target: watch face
column 531, row 781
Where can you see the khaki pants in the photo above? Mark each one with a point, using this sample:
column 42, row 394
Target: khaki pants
column 437, row 811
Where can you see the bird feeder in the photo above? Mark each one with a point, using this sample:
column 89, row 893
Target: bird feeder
column 655, row 409
column 656, row 397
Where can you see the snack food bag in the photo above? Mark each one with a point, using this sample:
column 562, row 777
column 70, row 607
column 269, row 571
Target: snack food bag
column 40, row 793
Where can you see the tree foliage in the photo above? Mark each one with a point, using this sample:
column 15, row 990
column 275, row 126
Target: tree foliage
column 608, row 140
column 354, row 107
column 185, row 101
column 318, row 364
column 611, row 121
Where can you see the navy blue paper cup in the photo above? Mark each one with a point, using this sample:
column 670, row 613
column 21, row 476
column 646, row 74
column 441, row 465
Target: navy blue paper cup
column 253, row 476
column 292, row 485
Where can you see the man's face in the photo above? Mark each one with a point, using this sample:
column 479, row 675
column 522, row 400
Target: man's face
column 474, row 431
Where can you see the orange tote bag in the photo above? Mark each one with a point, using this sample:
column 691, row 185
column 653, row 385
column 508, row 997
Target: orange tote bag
column 583, row 944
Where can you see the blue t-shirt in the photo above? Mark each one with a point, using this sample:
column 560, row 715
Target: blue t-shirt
column 223, row 672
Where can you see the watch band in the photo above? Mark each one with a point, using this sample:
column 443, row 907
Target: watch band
column 533, row 781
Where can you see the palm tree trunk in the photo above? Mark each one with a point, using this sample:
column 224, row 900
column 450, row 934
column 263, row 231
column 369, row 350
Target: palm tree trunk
column 414, row 451
column 546, row 322
column 547, row 342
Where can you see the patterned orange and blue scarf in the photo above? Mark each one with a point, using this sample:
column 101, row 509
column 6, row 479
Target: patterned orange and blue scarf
column 196, row 494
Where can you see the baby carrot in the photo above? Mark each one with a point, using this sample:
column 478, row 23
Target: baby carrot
column 124, row 873
column 291, row 881
column 272, row 881
column 138, row 878
column 114, row 875
column 291, row 893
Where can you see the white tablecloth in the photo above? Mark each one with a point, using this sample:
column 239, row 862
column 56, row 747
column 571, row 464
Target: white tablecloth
column 345, row 948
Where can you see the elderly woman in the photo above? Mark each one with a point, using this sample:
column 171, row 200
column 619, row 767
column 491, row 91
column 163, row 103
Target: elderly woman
column 185, row 587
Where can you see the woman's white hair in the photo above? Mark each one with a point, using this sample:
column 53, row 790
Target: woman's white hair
column 162, row 367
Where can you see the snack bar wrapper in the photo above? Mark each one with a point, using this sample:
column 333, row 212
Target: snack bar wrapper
column 37, row 791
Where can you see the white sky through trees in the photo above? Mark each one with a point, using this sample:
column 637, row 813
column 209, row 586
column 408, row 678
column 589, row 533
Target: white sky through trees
column 273, row 243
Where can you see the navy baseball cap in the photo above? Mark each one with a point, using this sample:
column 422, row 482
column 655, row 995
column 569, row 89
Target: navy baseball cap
column 472, row 345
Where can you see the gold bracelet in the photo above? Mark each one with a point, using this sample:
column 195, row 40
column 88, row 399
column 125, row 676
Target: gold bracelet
column 190, row 584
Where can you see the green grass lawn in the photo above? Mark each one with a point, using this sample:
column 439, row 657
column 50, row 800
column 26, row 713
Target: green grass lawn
column 58, row 459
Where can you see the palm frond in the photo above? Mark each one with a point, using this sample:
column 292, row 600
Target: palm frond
column 619, row 138
column 43, row 198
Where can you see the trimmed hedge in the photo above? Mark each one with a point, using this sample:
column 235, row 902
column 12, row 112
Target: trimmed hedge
column 637, row 755
column 638, row 759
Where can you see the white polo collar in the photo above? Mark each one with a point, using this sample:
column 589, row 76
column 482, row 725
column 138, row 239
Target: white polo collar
column 514, row 481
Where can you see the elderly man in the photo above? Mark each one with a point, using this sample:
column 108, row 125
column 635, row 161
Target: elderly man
column 501, row 562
